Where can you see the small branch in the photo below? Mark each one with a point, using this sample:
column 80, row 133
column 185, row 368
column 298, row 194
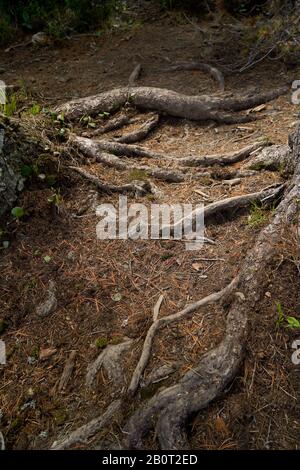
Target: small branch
column 67, row 372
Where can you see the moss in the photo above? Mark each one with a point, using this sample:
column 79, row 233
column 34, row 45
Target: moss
column 101, row 343
column 60, row 415
column 139, row 175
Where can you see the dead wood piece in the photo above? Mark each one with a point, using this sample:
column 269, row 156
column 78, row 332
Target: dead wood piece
column 162, row 322
column 218, row 367
column 199, row 108
column 225, row 159
column 67, row 372
column 110, row 359
column 135, row 74
column 213, row 71
column 141, row 133
column 139, row 188
column 88, row 430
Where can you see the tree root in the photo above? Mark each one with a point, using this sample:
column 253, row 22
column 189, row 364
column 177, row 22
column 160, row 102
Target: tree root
column 112, row 125
column 139, row 188
column 231, row 204
column 164, row 321
column 88, row 430
column 110, row 360
column 91, row 149
column 141, row 133
column 199, row 108
column 225, row 159
column 135, row 74
column 213, row 71
column 200, row 386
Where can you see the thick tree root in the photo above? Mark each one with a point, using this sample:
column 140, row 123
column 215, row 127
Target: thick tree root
column 213, row 71
column 88, row 430
column 91, row 149
column 199, row 108
column 172, row 406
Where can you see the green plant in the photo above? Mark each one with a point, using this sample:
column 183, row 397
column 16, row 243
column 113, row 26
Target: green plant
column 257, row 216
column 138, row 175
column 55, row 199
column 10, row 106
column 293, row 323
column 34, row 110
column 280, row 314
column 18, row 212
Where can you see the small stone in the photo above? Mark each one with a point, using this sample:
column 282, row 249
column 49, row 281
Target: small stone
column 31, row 360
column 46, row 353
column 43, row 434
column 71, row 256
column 268, row 294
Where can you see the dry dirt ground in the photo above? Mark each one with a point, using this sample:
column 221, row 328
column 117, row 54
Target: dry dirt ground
column 261, row 407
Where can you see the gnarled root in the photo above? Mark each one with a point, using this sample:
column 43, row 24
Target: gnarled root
column 199, row 108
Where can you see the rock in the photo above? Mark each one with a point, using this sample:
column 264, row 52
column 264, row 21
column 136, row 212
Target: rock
column 49, row 305
column 71, row 256
column 46, row 353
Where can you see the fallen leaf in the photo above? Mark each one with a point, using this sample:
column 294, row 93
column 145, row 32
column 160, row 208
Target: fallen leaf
column 46, row 353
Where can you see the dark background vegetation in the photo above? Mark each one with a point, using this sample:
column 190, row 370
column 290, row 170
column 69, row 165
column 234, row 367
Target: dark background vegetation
column 61, row 17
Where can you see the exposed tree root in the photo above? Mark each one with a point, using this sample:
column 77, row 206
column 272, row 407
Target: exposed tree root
column 141, row 133
column 112, row 125
column 199, row 108
column 135, row 74
column 88, row 430
column 127, row 150
column 232, row 204
column 164, row 321
column 109, row 359
column 274, row 158
column 213, row 71
column 197, row 388
column 138, row 188
column 225, row 159
column 91, row 149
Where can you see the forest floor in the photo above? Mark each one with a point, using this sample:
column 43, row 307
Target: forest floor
column 106, row 290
